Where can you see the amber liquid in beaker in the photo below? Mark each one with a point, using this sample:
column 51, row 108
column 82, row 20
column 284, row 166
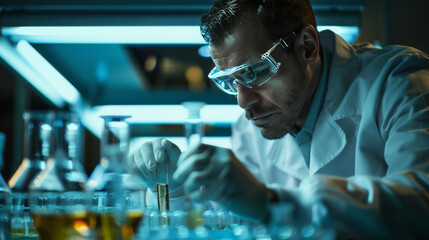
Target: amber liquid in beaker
column 76, row 225
column 111, row 226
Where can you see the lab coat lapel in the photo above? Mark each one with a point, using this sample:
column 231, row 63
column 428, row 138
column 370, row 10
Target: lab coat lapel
column 329, row 138
column 328, row 141
column 291, row 161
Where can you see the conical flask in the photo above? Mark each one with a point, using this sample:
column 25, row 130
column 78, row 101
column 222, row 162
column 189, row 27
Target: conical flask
column 37, row 137
column 5, row 198
column 59, row 204
column 63, row 172
column 118, row 194
column 37, row 133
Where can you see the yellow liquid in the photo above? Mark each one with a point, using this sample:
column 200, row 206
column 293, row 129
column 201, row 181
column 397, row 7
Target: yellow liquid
column 163, row 198
column 22, row 232
column 75, row 225
column 115, row 227
column 194, row 218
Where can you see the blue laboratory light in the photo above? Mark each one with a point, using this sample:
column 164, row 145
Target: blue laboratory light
column 171, row 114
column 130, row 34
column 28, row 63
column 348, row 33
column 107, row 34
column 50, row 76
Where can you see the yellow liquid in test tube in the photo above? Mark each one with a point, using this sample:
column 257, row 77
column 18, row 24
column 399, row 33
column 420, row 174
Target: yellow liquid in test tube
column 163, row 198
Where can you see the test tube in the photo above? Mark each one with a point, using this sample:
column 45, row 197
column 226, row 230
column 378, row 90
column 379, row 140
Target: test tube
column 162, row 187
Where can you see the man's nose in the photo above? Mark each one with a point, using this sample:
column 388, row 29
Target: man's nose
column 246, row 97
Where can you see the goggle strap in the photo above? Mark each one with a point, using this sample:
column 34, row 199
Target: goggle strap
column 286, row 42
column 283, row 43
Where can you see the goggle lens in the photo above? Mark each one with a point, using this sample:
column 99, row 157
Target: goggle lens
column 250, row 75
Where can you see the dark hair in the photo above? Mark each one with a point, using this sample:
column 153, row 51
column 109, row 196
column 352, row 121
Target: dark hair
column 277, row 16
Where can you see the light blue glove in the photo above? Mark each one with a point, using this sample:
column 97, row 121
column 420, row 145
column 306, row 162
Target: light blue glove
column 154, row 152
column 213, row 173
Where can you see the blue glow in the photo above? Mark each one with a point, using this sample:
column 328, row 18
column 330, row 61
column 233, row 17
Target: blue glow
column 50, row 77
column 348, row 33
column 204, row 51
column 107, row 34
column 92, row 121
column 171, row 114
column 31, row 66
column 131, row 34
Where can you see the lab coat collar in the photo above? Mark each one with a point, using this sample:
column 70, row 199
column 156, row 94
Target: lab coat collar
column 343, row 70
column 328, row 138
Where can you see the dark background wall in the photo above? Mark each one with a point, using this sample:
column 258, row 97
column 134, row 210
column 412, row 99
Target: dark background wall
column 396, row 22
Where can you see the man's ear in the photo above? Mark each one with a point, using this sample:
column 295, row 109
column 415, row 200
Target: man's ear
column 310, row 39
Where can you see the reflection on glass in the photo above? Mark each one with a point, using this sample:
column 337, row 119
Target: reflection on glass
column 194, row 133
column 57, row 200
column 117, row 194
column 37, row 137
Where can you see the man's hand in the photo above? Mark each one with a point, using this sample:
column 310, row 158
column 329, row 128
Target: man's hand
column 149, row 155
column 213, row 173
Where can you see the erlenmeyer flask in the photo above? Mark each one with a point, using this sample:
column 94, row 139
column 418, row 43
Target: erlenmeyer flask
column 118, row 194
column 63, row 171
column 37, row 137
column 59, row 205
column 5, row 201
column 37, row 133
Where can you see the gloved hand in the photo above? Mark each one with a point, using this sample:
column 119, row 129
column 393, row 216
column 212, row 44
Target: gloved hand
column 154, row 152
column 214, row 173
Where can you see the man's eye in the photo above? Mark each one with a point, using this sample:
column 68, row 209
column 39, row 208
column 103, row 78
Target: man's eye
column 250, row 75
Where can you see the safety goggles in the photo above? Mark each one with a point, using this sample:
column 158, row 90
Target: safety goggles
column 254, row 74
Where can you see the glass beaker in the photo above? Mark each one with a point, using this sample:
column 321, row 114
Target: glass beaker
column 37, row 137
column 59, row 205
column 118, row 194
column 5, row 201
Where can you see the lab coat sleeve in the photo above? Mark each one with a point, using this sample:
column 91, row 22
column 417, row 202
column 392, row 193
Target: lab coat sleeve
column 395, row 206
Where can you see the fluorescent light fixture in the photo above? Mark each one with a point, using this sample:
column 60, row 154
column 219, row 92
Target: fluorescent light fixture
column 130, row 34
column 50, row 76
column 27, row 62
column 171, row 114
column 106, row 34
column 348, row 33
column 93, row 122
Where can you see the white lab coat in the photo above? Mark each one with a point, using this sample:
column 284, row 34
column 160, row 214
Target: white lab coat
column 369, row 159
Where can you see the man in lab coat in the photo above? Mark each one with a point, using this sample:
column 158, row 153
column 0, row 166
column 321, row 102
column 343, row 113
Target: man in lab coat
column 331, row 129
